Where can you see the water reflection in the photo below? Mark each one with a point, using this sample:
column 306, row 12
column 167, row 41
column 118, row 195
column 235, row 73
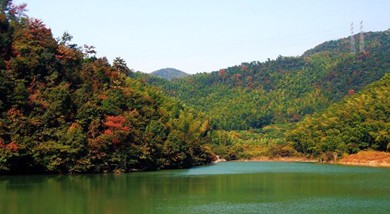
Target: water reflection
column 264, row 187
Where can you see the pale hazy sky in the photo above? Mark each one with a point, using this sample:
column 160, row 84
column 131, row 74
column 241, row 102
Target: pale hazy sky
column 205, row 35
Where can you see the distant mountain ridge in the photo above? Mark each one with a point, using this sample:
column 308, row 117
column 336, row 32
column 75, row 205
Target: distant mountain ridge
column 170, row 73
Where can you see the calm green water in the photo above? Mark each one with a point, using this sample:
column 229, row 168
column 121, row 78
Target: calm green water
column 230, row 187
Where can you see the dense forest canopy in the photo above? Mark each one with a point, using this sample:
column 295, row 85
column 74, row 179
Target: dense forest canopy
column 360, row 121
column 64, row 110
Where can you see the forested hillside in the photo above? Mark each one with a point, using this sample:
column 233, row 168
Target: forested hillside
column 65, row 111
column 253, row 105
column 360, row 121
column 256, row 94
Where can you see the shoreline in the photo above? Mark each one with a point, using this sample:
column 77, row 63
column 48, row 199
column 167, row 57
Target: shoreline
column 281, row 159
column 369, row 164
column 364, row 158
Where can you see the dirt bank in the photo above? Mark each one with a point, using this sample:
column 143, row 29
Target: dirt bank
column 367, row 158
column 363, row 158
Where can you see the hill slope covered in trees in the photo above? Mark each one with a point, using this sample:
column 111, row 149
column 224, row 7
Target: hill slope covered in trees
column 253, row 105
column 65, row 111
column 358, row 122
column 256, row 94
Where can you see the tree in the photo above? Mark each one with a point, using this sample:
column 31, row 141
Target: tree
column 121, row 66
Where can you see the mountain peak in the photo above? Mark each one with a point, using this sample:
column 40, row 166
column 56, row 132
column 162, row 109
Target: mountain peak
column 170, row 73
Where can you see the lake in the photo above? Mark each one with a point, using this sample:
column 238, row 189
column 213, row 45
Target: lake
column 228, row 187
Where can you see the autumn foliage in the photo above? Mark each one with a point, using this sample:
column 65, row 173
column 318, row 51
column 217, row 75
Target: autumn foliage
column 116, row 123
column 63, row 110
